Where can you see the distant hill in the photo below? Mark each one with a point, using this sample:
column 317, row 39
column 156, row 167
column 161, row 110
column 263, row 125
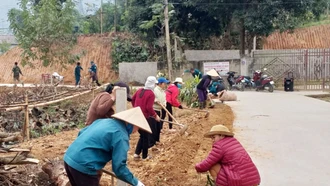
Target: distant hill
column 301, row 38
column 94, row 47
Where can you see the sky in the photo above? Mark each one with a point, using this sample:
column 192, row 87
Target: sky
column 6, row 5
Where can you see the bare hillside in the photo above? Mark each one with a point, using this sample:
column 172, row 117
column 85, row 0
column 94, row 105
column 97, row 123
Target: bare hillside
column 311, row 37
column 92, row 48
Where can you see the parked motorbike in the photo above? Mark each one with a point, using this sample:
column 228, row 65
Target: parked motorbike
column 262, row 81
column 248, row 82
column 235, row 82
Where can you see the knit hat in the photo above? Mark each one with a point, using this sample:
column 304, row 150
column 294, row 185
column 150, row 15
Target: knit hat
column 219, row 129
column 135, row 117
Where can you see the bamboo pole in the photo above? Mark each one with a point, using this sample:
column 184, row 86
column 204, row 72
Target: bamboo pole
column 48, row 103
column 27, row 120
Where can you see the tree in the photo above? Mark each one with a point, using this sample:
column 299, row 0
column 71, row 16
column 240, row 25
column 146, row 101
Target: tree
column 45, row 30
column 4, row 47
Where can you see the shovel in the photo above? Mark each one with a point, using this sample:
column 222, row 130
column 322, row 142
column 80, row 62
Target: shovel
column 183, row 127
column 212, row 102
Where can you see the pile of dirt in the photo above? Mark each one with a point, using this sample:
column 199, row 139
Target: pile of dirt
column 173, row 159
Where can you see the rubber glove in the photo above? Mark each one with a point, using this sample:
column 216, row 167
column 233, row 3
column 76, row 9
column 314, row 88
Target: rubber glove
column 140, row 184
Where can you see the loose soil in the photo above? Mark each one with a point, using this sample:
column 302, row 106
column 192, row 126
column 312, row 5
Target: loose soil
column 173, row 159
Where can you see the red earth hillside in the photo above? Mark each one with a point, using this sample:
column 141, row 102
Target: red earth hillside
column 95, row 48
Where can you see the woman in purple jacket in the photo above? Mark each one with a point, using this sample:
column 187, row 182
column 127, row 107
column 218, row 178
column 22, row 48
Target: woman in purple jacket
column 228, row 155
column 203, row 86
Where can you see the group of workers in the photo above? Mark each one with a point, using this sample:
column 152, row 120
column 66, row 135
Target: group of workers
column 106, row 136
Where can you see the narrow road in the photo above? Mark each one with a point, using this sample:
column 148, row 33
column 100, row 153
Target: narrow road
column 287, row 135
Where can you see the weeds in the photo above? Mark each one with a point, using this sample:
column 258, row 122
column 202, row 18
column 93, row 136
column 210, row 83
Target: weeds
column 188, row 93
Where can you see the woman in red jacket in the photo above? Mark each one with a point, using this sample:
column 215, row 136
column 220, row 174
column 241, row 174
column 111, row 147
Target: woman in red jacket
column 236, row 166
column 145, row 98
column 172, row 94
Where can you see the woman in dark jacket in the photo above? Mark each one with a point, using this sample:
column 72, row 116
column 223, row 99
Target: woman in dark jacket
column 203, row 85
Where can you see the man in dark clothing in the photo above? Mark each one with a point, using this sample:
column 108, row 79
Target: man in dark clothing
column 77, row 74
column 195, row 72
column 94, row 73
column 17, row 71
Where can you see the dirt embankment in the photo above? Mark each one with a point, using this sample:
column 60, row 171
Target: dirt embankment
column 301, row 38
column 173, row 160
column 90, row 48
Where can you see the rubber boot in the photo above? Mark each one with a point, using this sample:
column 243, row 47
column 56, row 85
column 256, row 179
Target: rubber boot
column 201, row 105
column 204, row 104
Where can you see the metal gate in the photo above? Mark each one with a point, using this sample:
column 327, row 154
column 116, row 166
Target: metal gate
column 311, row 67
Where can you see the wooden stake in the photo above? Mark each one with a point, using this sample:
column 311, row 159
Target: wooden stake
column 26, row 126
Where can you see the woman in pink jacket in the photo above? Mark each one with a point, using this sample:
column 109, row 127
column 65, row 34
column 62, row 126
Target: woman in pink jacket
column 172, row 94
column 228, row 155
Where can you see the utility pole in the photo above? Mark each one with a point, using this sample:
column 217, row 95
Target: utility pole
column 115, row 18
column 168, row 43
column 101, row 17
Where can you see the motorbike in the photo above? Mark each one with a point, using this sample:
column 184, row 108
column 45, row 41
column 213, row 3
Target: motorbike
column 248, row 82
column 262, row 81
column 235, row 82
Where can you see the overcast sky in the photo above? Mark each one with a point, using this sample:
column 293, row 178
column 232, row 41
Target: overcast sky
column 6, row 5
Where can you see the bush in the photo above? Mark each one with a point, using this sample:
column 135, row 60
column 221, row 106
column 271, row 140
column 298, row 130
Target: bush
column 188, row 93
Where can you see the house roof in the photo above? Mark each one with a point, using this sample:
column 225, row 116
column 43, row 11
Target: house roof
column 211, row 55
column 9, row 39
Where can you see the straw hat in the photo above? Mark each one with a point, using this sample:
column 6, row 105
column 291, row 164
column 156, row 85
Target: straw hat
column 179, row 80
column 135, row 117
column 212, row 73
column 219, row 129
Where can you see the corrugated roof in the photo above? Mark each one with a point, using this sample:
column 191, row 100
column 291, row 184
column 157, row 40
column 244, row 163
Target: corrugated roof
column 211, row 55
column 9, row 39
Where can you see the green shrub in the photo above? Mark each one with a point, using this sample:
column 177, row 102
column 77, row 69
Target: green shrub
column 188, row 93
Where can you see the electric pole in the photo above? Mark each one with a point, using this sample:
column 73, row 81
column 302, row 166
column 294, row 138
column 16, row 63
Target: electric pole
column 101, row 16
column 168, row 43
column 115, row 18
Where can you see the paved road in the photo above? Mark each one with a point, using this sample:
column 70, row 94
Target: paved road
column 287, row 135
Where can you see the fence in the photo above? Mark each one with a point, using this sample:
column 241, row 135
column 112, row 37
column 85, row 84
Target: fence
column 311, row 67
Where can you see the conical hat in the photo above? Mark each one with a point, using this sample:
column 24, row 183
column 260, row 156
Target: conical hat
column 135, row 117
column 212, row 73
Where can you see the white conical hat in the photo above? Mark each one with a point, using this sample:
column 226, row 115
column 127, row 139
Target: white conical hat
column 135, row 117
column 212, row 73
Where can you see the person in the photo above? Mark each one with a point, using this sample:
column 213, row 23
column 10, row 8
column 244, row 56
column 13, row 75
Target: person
column 160, row 102
column 93, row 70
column 17, row 72
column 145, row 99
column 203, row 85
column 101, row 106
column 172, row 94
column 194, row 72
column 103, row 141
column 77, row 74
column 216, row 87
column 229, row 160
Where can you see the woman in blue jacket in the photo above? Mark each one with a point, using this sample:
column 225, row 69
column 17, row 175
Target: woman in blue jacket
column 103, row 141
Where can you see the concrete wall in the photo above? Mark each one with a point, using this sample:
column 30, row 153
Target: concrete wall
column 137, row 71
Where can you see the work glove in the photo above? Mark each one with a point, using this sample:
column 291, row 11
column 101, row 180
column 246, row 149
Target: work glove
column 180, row 107
column 140, row 184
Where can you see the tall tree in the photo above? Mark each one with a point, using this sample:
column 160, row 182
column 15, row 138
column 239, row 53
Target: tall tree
column 44, row 30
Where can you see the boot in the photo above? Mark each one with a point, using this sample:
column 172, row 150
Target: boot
column 204, row 104
column 201, row 105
